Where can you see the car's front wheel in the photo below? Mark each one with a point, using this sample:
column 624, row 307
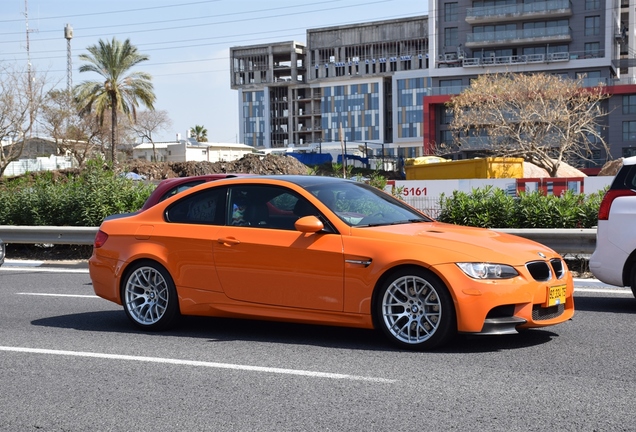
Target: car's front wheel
column 633, row 280
column 149, row 296
column 415, row 310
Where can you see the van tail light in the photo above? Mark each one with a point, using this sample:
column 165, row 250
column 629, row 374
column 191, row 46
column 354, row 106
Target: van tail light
column 100, row 239
column 610, row 196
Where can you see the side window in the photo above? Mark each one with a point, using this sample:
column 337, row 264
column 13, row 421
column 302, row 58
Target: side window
column 205, row 207
column 179, row 189
column 262, row 206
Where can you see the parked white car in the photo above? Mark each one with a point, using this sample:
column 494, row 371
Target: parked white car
column 614, row 259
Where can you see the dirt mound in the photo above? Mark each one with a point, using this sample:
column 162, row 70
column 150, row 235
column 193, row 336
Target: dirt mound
column 251, row 164
column 531, row 170
column 611, row 168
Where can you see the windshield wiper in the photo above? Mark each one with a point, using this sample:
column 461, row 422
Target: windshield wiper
column 400, row 222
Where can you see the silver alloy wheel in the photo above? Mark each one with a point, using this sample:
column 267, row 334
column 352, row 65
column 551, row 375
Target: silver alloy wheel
column 146, row 295
column 411, row 309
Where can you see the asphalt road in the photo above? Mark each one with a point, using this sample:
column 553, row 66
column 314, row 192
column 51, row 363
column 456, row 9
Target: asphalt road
column 70, row 361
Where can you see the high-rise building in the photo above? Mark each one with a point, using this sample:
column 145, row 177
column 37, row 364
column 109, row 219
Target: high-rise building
column 386, row 82
column 592, row 40
column 363, row 83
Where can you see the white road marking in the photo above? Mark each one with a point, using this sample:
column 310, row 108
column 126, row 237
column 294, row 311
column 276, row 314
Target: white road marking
column 198, row 363
column 58, row 295
column 43, row 269
column 619, row 291
column 23, row 263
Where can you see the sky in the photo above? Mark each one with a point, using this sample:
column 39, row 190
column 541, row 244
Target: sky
column 187, row 41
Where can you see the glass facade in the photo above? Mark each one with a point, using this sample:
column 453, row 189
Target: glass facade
column 629, row 131
column 629, row 104
column 253, row 118
column 410, row 112
column 356, row 107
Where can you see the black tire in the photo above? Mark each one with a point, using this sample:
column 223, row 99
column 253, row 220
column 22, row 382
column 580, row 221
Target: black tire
column 633, row 280
column 415, row 310
column 149, row 296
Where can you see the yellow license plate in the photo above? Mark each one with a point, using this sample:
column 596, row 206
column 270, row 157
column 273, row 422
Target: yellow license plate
column 556, row 295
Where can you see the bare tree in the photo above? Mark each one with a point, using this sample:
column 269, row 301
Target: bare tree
column 21, row 96
column 60, row 120
column 149, row 123
column 545, row 119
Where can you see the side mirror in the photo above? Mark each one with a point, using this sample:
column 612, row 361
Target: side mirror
column 309, row 224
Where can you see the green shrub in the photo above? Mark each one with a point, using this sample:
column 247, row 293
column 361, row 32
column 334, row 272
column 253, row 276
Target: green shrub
column 491, row 207
column 485, row 207
column 83, row 200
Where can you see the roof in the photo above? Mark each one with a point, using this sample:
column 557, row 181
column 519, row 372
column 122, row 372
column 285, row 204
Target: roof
column 148, row 146
column 629, row 160
column 304, row 180
column 213, row 146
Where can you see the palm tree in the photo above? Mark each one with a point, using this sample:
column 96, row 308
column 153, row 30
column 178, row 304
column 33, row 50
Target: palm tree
column 199, row 133
column 117, row 91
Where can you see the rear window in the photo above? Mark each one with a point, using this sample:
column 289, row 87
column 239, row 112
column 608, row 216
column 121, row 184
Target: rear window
column 625, row 178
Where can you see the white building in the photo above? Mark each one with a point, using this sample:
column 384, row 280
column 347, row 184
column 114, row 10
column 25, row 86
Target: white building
column 191, row 150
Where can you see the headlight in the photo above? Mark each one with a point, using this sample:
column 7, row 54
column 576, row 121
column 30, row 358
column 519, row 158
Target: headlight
column 488, row 270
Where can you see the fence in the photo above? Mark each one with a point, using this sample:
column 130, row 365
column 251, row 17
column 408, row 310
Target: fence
column 24, row 166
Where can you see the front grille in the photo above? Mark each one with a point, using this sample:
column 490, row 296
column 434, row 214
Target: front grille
column 540, row 270
column 546, row 313
column 558, row 267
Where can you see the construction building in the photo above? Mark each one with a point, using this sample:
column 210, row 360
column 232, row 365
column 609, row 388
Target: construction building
column 384, row 84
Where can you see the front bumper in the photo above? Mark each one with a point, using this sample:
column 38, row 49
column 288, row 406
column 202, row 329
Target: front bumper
column 506, row 305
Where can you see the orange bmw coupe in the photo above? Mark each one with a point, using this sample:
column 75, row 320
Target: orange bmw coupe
column 329, row 251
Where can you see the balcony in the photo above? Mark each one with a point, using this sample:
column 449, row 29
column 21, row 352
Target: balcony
column 516, row 12
column 585, row 82
column 518, row 37
column 516, row 60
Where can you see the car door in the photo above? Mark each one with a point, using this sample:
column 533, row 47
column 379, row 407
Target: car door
column 276, row 265
column 190, row 235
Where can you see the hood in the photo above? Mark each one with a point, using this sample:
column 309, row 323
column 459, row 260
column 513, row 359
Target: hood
column 452, row 243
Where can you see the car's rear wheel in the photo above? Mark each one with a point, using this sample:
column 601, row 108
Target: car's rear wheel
column 149, row 296
column 415, row 310
column 633, row 280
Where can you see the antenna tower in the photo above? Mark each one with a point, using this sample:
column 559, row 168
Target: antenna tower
column 68, row 35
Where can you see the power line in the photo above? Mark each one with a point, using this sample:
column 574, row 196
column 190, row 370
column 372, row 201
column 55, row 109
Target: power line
column 118, row 11
column 237, row 41
column 180, row 19
column 366, row 4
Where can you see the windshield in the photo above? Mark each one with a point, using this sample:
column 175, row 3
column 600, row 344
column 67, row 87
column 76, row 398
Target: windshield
column 362, row 205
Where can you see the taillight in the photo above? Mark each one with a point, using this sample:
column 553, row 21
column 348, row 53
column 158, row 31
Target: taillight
column 100, row 239
column 610, row 196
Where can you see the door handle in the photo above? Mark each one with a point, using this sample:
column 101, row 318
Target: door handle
column 229, row 241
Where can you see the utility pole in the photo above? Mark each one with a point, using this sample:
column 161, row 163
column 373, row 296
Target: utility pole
column 26, row 19
column 29, row 78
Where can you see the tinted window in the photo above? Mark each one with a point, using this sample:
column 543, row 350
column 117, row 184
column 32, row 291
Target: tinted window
column 630, row 181
column 263, row 206
column 205, row 207
column 180, row 188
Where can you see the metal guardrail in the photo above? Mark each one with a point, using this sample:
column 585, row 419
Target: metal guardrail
column 565, row 241
column 570, row 241
column 48, row 234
